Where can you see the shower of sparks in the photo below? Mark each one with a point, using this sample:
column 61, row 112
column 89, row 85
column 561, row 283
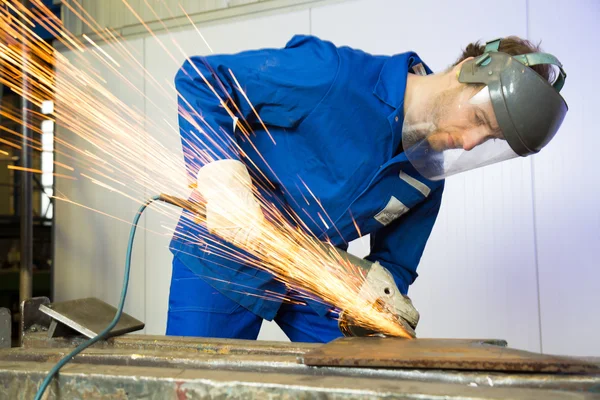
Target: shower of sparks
column 121, row 156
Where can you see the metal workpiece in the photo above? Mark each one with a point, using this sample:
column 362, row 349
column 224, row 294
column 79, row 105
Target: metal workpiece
column 452, row 354
column 87, row 316
column 20, row 380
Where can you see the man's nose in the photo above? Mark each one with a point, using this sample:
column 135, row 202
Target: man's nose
column 472, row 139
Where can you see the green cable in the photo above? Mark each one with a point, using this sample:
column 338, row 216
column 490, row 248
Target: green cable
column 115, row 320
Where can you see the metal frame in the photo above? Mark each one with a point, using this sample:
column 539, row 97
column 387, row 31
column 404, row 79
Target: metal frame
column 26, row 208
column 5, row 328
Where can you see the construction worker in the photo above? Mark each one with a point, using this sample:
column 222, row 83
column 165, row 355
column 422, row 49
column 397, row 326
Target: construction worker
column 371, row 137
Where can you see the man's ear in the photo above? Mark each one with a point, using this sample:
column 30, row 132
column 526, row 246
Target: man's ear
column 457, row 67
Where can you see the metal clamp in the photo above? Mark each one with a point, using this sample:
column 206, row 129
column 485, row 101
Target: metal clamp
column 32, row 320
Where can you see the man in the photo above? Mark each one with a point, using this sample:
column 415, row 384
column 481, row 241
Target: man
column 352, row 144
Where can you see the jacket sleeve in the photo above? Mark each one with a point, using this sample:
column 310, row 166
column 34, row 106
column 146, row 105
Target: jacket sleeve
column 283, row 86
column 400, row 245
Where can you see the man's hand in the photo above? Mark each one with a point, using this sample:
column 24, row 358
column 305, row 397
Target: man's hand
column 232, row 211
column 380, row 290
column 380, row 284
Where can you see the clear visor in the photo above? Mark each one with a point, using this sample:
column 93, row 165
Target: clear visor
column 456, row 132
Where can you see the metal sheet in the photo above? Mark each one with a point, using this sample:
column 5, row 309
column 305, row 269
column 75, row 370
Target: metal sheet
column 90, row 316
column 5, row 328
column 456, row 354
column 126, row 382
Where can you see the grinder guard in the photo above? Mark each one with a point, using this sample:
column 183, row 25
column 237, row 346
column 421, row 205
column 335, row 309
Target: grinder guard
column 380, row 290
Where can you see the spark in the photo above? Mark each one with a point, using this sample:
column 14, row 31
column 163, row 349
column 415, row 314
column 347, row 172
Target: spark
column 355, row 224
column 39, row 171
column 17, row 168
column 111, row 143
column 196, row 28
column 11, row 144
column 64, row 166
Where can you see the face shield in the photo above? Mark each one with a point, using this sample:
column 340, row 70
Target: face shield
column 507, row 110
column 457, row 132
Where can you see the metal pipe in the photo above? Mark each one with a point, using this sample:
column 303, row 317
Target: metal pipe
column 25, row 282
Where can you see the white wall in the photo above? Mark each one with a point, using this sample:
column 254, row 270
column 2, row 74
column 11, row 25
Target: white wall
column 567, row 184
column 115, row 14
column 511, row 254
column 89, row 246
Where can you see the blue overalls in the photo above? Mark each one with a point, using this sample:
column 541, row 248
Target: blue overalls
column 334, row 115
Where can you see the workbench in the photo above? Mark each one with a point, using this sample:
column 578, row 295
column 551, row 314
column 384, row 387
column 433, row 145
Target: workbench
column 134, row 366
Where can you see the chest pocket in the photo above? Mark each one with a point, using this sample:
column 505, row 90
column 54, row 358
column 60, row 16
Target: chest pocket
column 395, row 208
column 390, row 196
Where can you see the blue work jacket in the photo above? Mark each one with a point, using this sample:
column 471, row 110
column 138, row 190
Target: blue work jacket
column 334, row 118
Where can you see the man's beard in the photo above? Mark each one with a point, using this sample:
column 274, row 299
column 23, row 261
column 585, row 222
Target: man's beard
column 425, row 125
